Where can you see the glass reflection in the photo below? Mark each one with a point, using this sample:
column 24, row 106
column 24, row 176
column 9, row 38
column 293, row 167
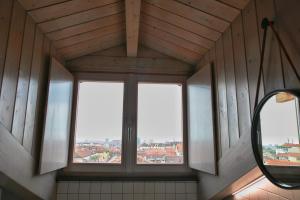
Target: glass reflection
column 279, row 126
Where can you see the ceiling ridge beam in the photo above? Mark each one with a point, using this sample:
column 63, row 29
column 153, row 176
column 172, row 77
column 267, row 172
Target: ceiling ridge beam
column 132, row 12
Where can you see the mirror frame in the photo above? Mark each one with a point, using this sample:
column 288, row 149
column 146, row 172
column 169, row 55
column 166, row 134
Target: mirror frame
column 254, row 135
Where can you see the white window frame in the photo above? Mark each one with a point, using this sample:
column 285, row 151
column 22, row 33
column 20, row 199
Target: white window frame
column 128, row 164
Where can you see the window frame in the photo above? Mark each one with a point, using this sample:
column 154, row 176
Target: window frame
column 163, row 167
column 128, row 164
column 97, row 167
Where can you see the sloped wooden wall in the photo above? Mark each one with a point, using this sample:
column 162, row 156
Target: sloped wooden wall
column 24, row 59
column 236, row 57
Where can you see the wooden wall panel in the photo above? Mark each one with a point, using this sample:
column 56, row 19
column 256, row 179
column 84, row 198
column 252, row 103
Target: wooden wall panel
column 238, row 59
column 252, row 50
column 115, row 60
column 287, row 16
column 23, row 80
column 32, row 92
column 11, row 67
column 41, row 99
column 233, row 120
column 241, row 76
column 5, row 16
column 23, row 63
column 222, row 100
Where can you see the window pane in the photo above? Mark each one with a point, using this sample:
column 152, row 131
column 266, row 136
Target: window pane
column 99, row 122
column 159, row 132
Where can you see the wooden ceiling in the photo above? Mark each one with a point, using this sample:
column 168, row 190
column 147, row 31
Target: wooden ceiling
column 183, row 29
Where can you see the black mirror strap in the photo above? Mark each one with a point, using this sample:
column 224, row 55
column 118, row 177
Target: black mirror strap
column 264, row 24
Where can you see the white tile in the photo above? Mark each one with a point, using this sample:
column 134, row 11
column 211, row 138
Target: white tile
column 95, row 197
column 62, row 187
column 180, row 187
column 58, row 196
column 116, row 197
column 73, row 187
column 72, row 196
column 160, row 196
column 180, row 197
column 149, row 196
column 191, row 187
column 84, row 187
column 127, row 196
column 105, row 196
column 170, row 196
column 95, row 187
column 138, row 187
column 138, row 196
column 160, row 187
column 84, row 196
column 170, row 187
column 191, row 196
column 116, row 187
column 149, row 187
column 105, row 187
column 127, row 187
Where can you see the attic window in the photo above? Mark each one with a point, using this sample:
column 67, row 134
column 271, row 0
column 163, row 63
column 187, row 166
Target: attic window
column 99, row 120
column 159, row 124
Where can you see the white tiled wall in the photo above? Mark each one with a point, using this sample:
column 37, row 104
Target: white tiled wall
column 127, row 190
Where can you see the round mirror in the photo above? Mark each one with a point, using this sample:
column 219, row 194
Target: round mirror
column 276, row 137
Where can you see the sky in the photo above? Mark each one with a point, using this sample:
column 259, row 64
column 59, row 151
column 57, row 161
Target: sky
column 100, row 111
column 279, row 122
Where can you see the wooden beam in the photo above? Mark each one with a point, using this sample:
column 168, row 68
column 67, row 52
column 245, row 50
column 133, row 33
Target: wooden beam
column 132, row 10
column 98, row 63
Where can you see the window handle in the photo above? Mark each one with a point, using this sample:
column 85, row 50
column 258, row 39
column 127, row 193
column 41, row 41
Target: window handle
column 129, row 133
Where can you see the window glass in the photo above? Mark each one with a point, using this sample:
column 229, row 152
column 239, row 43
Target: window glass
column 159, row 126
column 99, row 122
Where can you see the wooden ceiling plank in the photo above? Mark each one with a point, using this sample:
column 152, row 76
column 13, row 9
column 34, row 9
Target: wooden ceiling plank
column 86, row 27
column 169, row 49
column 35, row 4
column 81, row 17
column 102, row 32
column 179, row 32
column 98, row 63
column 132, row 12
column 191, row 14
column 240, row 4
column 215, row 8
column 180, row 21
column 66, row 8
column 93, row 45
column 173, row 39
